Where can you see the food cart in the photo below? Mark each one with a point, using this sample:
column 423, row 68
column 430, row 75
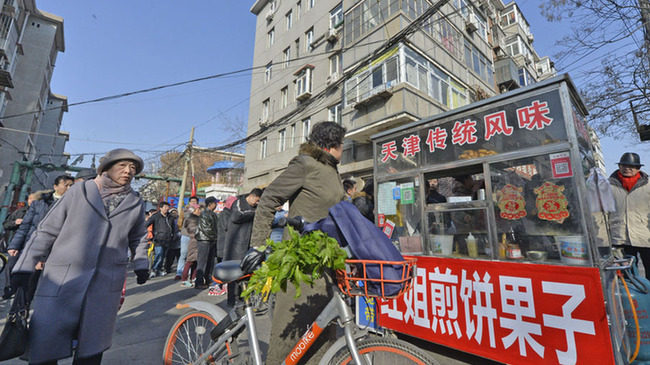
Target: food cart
column 492, row 198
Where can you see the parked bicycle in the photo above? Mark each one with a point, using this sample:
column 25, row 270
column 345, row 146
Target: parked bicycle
column 210, row 335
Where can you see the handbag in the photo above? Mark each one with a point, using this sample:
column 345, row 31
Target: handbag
column 13, row 340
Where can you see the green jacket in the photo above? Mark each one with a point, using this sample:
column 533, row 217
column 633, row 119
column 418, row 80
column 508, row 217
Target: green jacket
column 311, row 183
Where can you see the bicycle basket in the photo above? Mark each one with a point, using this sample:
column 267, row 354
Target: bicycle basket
column 358, row 280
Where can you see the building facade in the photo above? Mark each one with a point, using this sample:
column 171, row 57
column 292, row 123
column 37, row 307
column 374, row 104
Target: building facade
column 30, row 113
column 322, row 63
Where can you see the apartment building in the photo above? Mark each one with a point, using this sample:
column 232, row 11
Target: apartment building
column 31, row 40
column 321, row 64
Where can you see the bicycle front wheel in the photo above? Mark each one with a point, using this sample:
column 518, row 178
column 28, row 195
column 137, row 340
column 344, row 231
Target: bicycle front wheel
column 385, row 351
column 189, row 338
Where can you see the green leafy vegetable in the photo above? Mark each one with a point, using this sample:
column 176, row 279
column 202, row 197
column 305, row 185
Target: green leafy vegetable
column 298, row 260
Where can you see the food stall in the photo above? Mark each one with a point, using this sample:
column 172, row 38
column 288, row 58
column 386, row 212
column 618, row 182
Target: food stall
column 492, row 198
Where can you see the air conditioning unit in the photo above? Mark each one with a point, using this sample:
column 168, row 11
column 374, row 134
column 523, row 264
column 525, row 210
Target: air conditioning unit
column 531, row 38
column 471, row 24
column 333, row 78
column 303, row 96
column 269, row 15
column 332, row 35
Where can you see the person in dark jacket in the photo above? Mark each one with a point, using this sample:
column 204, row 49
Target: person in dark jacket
column 206, row 240
column 224, row 219
column 239, row 233
column 190, row 227
column 364, row 201
column 164, row 230
column 10, row 225
column 43, row 202
column 173, row 251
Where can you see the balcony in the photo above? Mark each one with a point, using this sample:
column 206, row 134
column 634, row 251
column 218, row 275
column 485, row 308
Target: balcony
column 506, row 74
column 5, row 79
column 375, row 94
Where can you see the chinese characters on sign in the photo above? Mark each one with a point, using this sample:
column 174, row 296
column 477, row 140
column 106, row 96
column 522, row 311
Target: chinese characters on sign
column 534, row 116
column 513, row 313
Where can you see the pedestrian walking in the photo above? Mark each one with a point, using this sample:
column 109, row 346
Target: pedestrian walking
column 239, row 232
column 164, row 230
column 82, row 247
column 206, row 237
column 630, row 223
column 185, row 235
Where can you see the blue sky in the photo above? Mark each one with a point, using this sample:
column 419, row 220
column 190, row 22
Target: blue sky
column 120, row 46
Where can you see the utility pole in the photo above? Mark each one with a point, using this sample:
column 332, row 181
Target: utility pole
column 644, row 9
column 181, row 197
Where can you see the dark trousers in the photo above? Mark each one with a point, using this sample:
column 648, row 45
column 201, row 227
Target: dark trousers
column 171, row 255
column 204, row 262
column 644, row 252
column 93, row 360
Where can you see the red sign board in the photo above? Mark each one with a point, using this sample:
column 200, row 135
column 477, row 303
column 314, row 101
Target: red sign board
column 515, row 313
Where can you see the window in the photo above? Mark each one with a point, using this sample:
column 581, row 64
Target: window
column 306, row 125
column 271, row 37
column 285, row 96
column 282, row 136
column 286, row 56
column 311, row 3
column 379, row 76
column 303, row 84
column 266, row 105
column 298, row 9
column 263, row 143
column 267, row 72
column 336, row 16
column 272, row 5
column 334, row 114
column 297, row 47
column 293, row 134
column 309, row 38
column 335, row 64
column 289, row 19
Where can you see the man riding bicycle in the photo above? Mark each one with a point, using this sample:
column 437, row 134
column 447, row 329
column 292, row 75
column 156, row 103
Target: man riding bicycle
column 311, row 183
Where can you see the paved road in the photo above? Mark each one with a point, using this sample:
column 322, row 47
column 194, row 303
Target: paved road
column 149, row 312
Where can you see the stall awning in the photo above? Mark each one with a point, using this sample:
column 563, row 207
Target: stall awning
column 225, row 165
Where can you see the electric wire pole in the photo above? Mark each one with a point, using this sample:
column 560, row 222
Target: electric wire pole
column 181, row 197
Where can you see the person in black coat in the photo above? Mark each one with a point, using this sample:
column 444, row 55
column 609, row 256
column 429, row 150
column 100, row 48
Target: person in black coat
column 239, row 232
column 364, row 201
column 164, row 231
column 206, row 240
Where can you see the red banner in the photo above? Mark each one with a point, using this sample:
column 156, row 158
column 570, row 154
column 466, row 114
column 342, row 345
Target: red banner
column 515, row 313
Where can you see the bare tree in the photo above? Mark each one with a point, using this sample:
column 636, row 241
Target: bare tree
column 620, row 80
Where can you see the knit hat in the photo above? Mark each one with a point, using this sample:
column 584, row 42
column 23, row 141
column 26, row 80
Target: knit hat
column 119, row 154
column 86, row 174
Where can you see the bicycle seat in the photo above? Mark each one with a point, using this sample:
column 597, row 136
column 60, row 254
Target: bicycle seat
column 227, row 271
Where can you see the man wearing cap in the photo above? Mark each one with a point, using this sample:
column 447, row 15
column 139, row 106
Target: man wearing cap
column 629, row 224
column 82, row 245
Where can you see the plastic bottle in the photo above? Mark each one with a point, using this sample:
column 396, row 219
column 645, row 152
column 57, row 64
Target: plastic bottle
column 503, row 246
column 472, row 248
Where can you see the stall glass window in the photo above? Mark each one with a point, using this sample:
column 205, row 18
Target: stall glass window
column 399, row 213
column 457, row 213
column 398, row 154
column 538, row 216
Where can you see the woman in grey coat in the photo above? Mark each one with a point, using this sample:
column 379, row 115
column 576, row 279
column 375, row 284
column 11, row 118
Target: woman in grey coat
column 82, row 245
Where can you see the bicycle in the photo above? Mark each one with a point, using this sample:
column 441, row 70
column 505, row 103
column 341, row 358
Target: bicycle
column 209, row 335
